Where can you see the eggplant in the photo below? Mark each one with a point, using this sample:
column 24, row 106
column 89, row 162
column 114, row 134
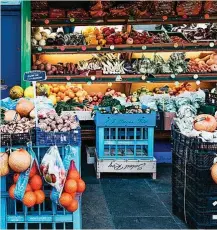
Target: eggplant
column 50, row 41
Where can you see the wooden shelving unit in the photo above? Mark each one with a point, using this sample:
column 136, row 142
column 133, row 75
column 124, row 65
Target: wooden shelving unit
column 127, row 80
column 51, row 22
column 136, row 78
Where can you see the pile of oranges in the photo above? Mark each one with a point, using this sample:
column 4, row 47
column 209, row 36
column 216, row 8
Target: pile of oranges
column 34, row 193
column 73, row 184
column 64, row 92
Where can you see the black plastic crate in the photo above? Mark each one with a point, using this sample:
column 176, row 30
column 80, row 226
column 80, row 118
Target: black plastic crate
column 16, row 139
column 194, row 218
column 198, row 153
column 211, row 98
column 72, row 137
column 201, row 203
column 196, row 180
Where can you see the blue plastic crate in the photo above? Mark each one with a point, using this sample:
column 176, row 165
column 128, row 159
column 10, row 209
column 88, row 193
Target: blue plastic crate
column 15, row 215
column 125, row 136
column 125, row 120
column 72, row 137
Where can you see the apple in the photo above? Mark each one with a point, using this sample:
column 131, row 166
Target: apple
column 100, row 95
column 92, row 94
column 95, row 98
column 129, row 41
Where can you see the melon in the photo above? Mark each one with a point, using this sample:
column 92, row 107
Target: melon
column 16, row 92
column 29, row 92
column 19, row 160
column 11, row 115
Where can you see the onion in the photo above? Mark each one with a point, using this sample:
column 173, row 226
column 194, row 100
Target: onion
column 48, row 67
column 34, row 67
column 24, row 107
column 38, row 62
column 41, row 67
column 19, row 160
column 11, row 115
column 50, row 72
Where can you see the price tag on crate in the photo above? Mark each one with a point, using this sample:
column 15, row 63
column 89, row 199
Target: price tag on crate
column 34, row 76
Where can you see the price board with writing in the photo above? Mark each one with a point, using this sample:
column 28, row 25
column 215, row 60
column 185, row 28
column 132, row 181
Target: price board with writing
column 35, row 75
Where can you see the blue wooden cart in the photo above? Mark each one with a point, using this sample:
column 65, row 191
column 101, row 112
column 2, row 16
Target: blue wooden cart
column 125, row 143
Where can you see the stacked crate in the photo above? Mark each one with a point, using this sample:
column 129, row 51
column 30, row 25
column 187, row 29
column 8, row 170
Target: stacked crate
column 125, row 143
column 194, row 193
column 48, row 215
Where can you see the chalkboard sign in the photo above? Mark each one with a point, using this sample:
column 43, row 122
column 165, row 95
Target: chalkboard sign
column 35, row 75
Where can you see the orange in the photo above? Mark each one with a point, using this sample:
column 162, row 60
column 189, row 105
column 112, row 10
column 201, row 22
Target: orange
column 73, row 206
column 73, row 174
column 65, row 199
column 40, row 196
column 62, row 88
column 71, row 94
column 58, row 99
column 15, row 177
column 28, row 188
column 73, row 194
column 55, row 89
column 70, row 186
column 81, row 185
column 36, row 182
column 29, row 199
column 11, row 191
column 33, row 170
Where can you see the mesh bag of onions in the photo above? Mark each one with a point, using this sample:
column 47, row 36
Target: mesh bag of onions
column 188, row 8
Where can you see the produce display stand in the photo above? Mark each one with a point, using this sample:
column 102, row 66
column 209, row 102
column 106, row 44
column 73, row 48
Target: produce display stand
column 125, row 143
column 46, row 215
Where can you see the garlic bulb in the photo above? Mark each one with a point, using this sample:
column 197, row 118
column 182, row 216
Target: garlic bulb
column 34, row 42
column 38, row 36
column 42, row 42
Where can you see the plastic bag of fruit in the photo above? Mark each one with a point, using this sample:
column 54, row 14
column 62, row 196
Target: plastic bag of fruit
column 27, row 180
column 188, row 8
column 73, row 185
column 52, row 168
column 210, row 7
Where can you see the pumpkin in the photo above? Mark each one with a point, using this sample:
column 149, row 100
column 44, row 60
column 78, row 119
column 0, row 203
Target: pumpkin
column 24, row 107
column 214, row 172
column 205, row 122
column 4, row 168
column 19, row 160
column 11, row 115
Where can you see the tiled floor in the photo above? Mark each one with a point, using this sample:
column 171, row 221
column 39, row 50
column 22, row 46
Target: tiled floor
column 128, row 202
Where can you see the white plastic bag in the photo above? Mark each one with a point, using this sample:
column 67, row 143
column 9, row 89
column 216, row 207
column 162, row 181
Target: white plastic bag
column 52, row 168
